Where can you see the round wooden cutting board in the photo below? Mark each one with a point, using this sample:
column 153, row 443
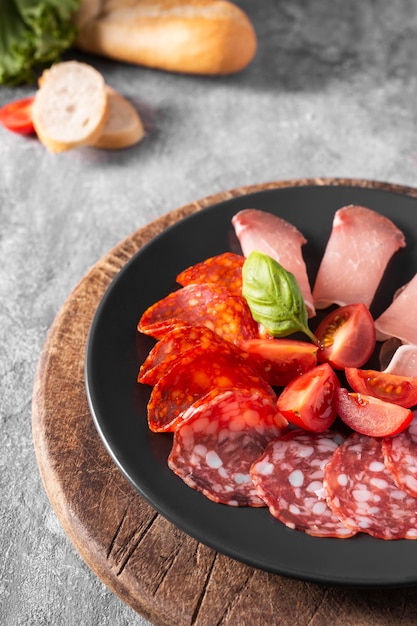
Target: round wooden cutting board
column 162, row 573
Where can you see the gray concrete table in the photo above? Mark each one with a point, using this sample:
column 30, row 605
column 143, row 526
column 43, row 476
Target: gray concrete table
column 332, row 92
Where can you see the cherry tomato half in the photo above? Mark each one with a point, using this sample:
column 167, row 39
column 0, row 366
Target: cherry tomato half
column 401, row 390
column 17, row 116
column 280, row 360
column 371, row 416
column 308, row 401
column 347, row 336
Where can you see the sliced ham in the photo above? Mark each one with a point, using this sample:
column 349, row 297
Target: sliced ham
column 274, row 236
column 399, row 319
column 403, row 362
column 358, row 250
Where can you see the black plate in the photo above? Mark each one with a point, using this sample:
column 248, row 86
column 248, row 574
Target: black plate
column 118, row 403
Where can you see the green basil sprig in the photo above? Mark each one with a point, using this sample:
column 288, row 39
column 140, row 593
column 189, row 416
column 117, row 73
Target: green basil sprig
column 274, row 297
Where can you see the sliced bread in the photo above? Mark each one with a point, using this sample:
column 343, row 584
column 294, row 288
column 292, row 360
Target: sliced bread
column 70, row 107
column 123, row 127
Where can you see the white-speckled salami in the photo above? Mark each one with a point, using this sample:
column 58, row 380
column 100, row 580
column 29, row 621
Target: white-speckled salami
column 362, row 491
column 222, row 435
column 400, row 455
column 289, row 478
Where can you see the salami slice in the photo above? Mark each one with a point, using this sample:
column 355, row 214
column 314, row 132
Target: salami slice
column 400, row 455
column 192, row 376
column 362, row 491
column 220, row 437
column 289, row 478
column 207, row 304
column 223, row 269
column 174, row 344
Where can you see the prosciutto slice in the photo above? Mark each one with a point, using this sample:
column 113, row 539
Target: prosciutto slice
column 274, row 236
column 404, row 361
column 358, row 250
column 399, row 319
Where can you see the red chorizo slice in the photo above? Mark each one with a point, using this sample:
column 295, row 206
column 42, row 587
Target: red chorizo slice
column 218, row 441
column 223, row 269
column 208, row 305
column 174, row 344
column 400, row 455
column 289, row 478
column 362, row 491
column 192, row 376
column 280, row 360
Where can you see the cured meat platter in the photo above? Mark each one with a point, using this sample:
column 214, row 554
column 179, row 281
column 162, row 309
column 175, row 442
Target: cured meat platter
column 118, row 404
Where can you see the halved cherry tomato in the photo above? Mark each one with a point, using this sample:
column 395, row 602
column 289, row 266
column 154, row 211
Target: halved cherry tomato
column 371, row 416
column 308, row 401
column 401, row 390
column 17, row 116
column 280, row 360
column 347, row 336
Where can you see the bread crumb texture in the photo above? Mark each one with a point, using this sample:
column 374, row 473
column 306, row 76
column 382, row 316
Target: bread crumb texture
column 70, row 106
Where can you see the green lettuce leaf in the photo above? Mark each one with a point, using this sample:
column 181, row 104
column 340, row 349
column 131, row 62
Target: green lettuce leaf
column 33, row 34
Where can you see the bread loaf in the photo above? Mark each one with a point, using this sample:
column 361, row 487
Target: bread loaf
column 70, row 107
column 87, row 11
column 191, row 36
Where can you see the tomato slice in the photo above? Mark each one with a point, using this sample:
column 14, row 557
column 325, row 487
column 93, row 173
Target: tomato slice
column 17, row 116
column 347, row 336
column 280, row 360
column 308, row 401
column 371, row 416
column 401, row 390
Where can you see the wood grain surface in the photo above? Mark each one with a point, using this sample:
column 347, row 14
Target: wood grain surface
column 162, row 573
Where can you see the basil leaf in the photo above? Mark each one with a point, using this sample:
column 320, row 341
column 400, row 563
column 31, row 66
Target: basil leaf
column 274, row 297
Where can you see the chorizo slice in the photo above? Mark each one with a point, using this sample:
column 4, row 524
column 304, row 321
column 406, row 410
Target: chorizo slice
column 224, row 269
column 208, row 304
column 178, row 340
column 192, row 376
column 221, row 436
column 289, row 478
column 362, row 491
column 280, row 360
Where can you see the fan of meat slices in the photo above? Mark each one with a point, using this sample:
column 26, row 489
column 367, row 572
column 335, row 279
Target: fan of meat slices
column 262, row 418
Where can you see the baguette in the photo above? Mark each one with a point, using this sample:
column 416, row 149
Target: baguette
column 123, row 127
column 211, row 37
column 87, row 11
column 70, row 107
